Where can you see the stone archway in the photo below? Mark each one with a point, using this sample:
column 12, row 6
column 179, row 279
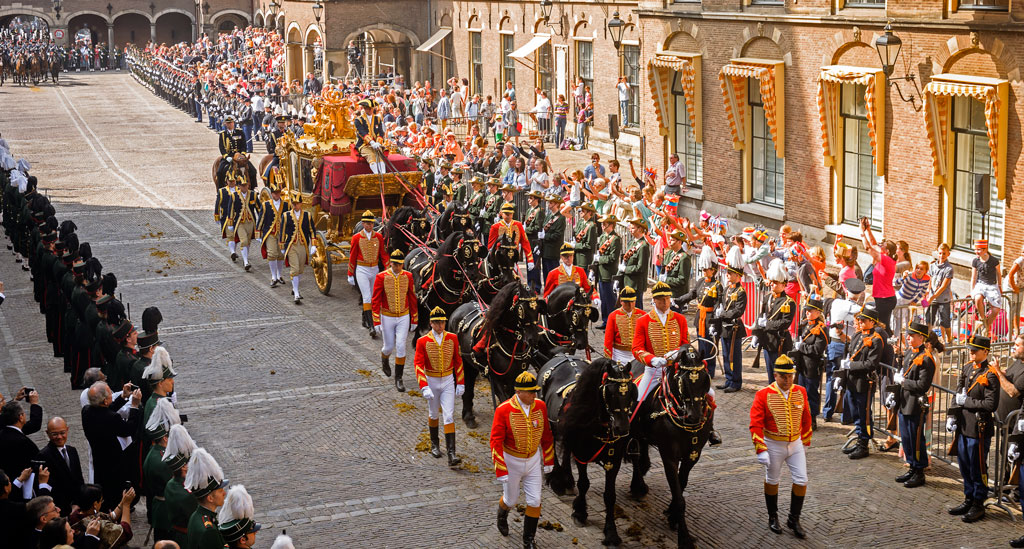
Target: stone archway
column 388, row 45
column 27, row 22
column 309, row 51
column 94, row 23
column 173, row 27
column 258, row 21
column 131, row 27
column 229, row 20
column 293, row 52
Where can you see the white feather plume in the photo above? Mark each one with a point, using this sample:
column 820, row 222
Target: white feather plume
column 777, row 271
column 283, row 542
column 155, row 370
column 201, row 468
column 163, row 414
column 178, row 442
column 237, row 505
column 734, row 258
column 706, row 259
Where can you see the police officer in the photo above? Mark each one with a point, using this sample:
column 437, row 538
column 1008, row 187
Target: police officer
column 913, row 380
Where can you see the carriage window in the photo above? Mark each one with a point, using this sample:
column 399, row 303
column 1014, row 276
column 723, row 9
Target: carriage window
column 293, row 166
column 306, row 185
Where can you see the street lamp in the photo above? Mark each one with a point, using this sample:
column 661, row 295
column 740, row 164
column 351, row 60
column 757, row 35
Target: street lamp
column 272, row 8
column 616, row 28
column 56, row 8
column 110, row 9
column 318, row 10
column 888, row 47
column 545, row 10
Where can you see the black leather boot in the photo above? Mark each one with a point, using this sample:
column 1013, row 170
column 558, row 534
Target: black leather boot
column 915, row 480
column 502, row 521
column 1019, row 542
column 364, row 320
column 529, row 532
column 861, row 451
column 772, row 502
column 850, row 449
column 962, row 508
column 435, row 443
column 449, row 442
column 976, row 512
column 905, row 476
column 796, row 504
column 399, row 384
column 385, row 365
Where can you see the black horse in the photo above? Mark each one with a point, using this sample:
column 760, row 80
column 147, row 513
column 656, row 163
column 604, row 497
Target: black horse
column 443, row 277
column 589, row 407
column 677, row 417
column 499, row 342
column 455, row 218
column 568, row 321
column 406, row 228
column 501, row 268
column 56, row 66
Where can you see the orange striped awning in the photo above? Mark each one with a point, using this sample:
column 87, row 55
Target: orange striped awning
column 733, row 79
column 938, row 97
column 829, row 80
column 660, row 73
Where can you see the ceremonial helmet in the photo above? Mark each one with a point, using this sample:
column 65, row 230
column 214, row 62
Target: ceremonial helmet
column 784, row 365
column 179, row 447
column 204, row 474
column 979, row 342
column 508, row 207
column 567, row 249
column 235, row 518
column 163, row 417
column 438, row 314
column 397, row 256
column 918, row 328
column 526, row 381
column 661, row 289
column 368, row 217
column 627, row 294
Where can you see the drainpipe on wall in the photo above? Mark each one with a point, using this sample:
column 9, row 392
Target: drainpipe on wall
column 430, row 32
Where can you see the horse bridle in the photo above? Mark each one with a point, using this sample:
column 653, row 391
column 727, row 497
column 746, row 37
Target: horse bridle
column 623, row 388
column 671, row 404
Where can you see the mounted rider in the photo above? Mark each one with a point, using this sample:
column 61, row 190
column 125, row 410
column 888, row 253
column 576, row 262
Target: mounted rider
column 512, row 229
column 621, row 325
column 231, row 142
column 566, row 272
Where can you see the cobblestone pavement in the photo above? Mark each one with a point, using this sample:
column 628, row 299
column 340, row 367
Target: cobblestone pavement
column 290, row 399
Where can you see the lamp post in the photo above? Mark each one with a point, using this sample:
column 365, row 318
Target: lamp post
column 272, row 8
column 56, row 8
column 318, row 11
column 545, row 10
column 888, row 47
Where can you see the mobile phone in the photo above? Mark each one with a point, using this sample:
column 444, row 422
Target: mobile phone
column 183, row 418
column 37, row 464
column 133, row 387
column 28, row 390
column 127, row 485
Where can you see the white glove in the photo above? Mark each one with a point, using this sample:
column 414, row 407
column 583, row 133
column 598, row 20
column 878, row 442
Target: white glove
column 231, row 228
column 572, row 242
column 312, row 250
column 596, row 303
column 711, row 392
column 837, row 384
column 950, row 424
column 762, row 322
column 378, row 328
column 412, row 327
column 483, row 212
column 529, row 265
column 459, row 389
column 798, row 346
column 898, row 378
column 658, row 362
column 762, row 458
column 427, row 393
column 1020, row 425
column 615, row 287
column 351, row 281
column 1013, row 454
column 961, row 398
column 257, row 241
column 548, row 468
column 622, row 267
column 845, row 364
column 890, row 401
column 720, row 310
column 374, row 144
column 540, row 234
column 597, row 258
column 663, row 277
column 503, row 479
column 591, row 278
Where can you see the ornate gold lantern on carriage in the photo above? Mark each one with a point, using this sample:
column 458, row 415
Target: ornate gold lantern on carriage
column 323, row 170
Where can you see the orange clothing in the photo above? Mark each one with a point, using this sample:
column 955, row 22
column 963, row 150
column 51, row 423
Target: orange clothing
column 518, row 233
column 619, row 330
column 393, row 295
column 557, row 276
column 779, row 418
column 366, row 252
column 435, row 360
column 652, row 339
column 519, row 435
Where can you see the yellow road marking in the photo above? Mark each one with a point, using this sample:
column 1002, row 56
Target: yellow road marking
column 36, row 89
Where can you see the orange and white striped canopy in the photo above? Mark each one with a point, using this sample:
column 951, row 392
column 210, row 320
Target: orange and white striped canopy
column 660, row 73
column 734, row 93
column 938, row 95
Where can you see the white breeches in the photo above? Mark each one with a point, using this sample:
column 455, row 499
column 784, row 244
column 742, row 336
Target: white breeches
column 364, row 279
column 530, row 473
column 444, row 396
column 790, row 453
column 651, row 380
column 395, row 331
column 625, row 357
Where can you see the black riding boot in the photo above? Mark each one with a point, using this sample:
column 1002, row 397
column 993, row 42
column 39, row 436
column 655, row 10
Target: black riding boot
column 529, row 531
column 714, row 438
column 796, row 504
column 399, row 384
column 449, row 442
column 502, row 520
column 435, row 442
column 385, row 365
column 772, row 502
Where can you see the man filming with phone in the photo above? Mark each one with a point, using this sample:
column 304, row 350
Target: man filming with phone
column 16, row 449
column 103, row 426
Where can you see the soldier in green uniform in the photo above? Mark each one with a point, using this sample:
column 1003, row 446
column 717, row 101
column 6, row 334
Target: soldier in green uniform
column 606, row 264
column 492, row 203
column 178, row 505
column 532, row 224
column 636, row 259
column 159, row 375
column 552, row 235
column 71, row 289
column 585, row 238
column 155, row 472
column 445, row 180
column 677, row 265
column 427, row 167
column 205, row 481
column 459, row 188
column 236, row 523
column 476, row 203
column 127, row 337
column 147, row 342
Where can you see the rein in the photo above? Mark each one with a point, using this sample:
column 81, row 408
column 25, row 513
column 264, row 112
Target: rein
column 670, row 405
column 609, row 438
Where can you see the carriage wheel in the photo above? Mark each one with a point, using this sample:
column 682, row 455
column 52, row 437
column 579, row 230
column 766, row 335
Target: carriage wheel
column 322, row 264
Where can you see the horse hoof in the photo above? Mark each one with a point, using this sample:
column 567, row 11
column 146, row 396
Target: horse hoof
column 639, row 492
column 579, row 521
column 470, row 422
column 612, row 541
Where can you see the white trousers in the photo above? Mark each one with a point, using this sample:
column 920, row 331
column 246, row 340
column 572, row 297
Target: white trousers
column 395, row 330
column 790, row 453
column 444, row 397
column 530, row 473
column 364, row 279
column 624, row 357
column 651, row 380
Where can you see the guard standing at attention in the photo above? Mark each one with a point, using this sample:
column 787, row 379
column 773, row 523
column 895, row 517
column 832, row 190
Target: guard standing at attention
column 913, row 381
column 733, row 305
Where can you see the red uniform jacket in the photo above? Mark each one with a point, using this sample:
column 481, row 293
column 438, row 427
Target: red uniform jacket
column 557, row 276
column 520, row 436
column 435, row 360
column 618, row 332
column 393, row 295
column 651, row 339
column 774, row 416
column 366, row 251
column 519, row 237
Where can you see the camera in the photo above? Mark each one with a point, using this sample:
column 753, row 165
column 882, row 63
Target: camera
column 127, row 485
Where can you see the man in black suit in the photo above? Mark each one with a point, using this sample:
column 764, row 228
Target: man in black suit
column 65, row 468
column 102, row 426
column 38, row 511
column 16, row 449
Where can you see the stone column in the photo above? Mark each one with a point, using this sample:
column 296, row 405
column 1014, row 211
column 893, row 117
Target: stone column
column 152, row 32
column 110, row 37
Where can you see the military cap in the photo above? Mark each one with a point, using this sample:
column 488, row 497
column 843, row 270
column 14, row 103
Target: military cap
column 397, row 256
column 868, row 313
column 535, row 194
column 918, row 328
column 508, row 187
column 567, row 249
column 784, row 365
column 368, row 216
column 588, row 207
column 661, row 289
column 229, row 118
column 627, row 294
column 554, row 198
column 366, row 103
column 508, row 207
column 438, row 314
column 610, row 218
column 526, row 381
column 457, row 171
column 103, row 301
column 123, row 329
column 815, row 304
column 494, row 181
column 639, row 222
column 678, row 235
column 476, row 180
column 148, row 339
column 978, row 342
